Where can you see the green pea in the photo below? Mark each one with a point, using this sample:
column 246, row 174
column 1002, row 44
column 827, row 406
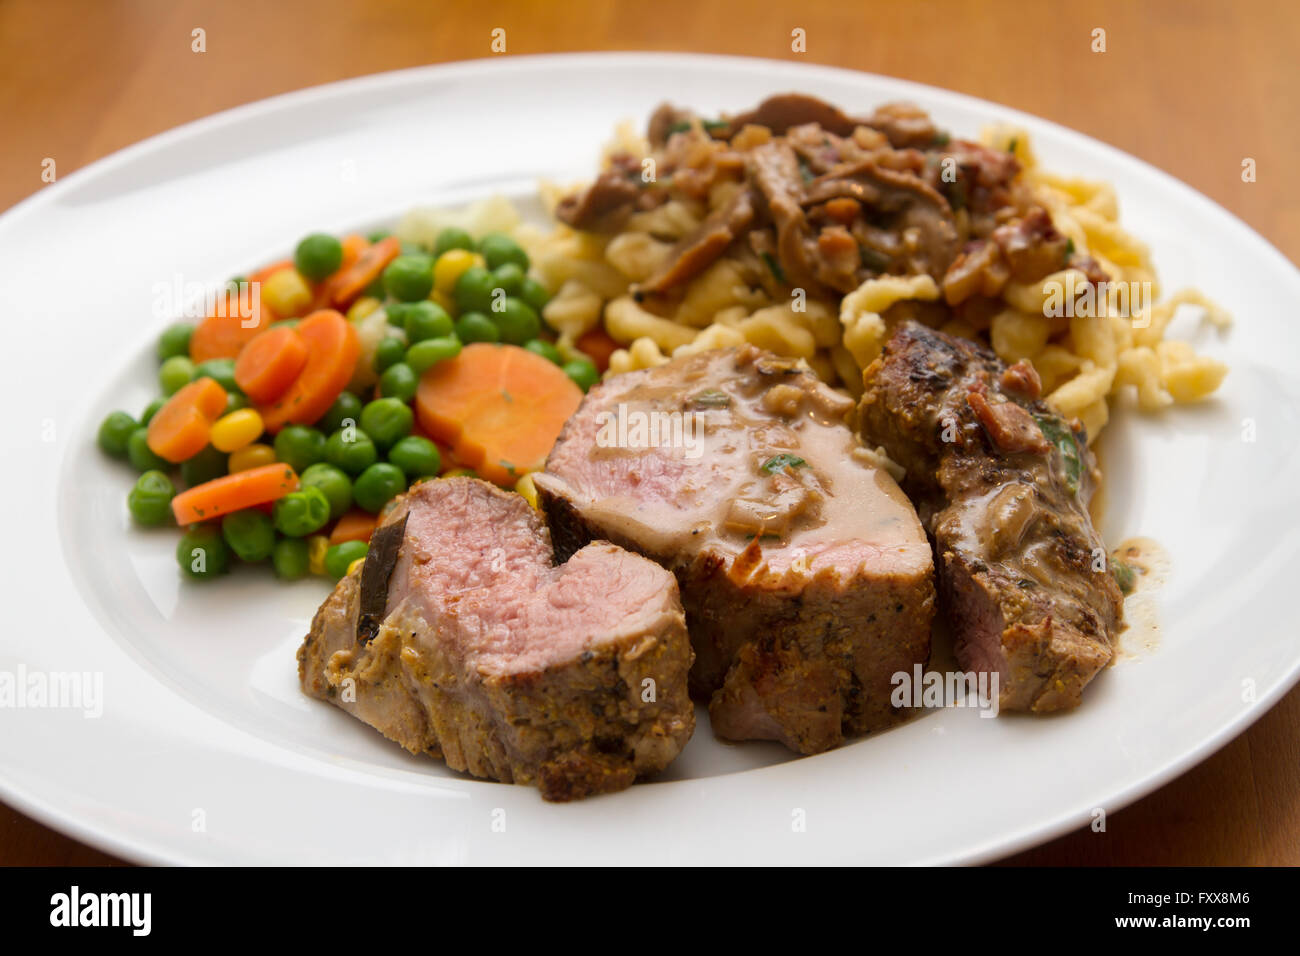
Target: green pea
column 202, row 552
column 150, row 500
column 235, row 400
column 517, row 321
column 409, row 278
column 378, row 485
column 399, row 381
column 299, row 446
column 141, row 455
column 379, row 235
column 426, row 320
column 510, row 277
column 286, row 323
column 333, row 483
column 291, row 559
column 545, row 349
column 317, row 256
column 417, row 457
column 205, row 466
column 375, row 290
column 477, row 327
column 151, row 410
column 221, row 371
column 301, row 512
column 250, row 534
column 345, row 406
column 340, row 556
column 535, row 294
column 386, row 420
column 498, row 249
column 175, row 373
column 115, row 432
column 425, row 354
column 389, row 352
column 583, row 372
column 473, row 290
column 411, row 247
column 350, row 450
column 175, row 340
column 452, row 238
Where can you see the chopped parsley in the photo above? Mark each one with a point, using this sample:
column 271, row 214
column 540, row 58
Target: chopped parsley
column 713, row 398
column 1011, row 146
column 782, row 462
column 1061, row 436
column 1124, row 574
column 775, row 267
column 873, row 260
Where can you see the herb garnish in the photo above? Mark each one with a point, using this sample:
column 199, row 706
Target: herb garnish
column 1125, row 575
column 713, row 398
column 1063, row 438
column 873, row 260
column 775, row 266
column 781, row 462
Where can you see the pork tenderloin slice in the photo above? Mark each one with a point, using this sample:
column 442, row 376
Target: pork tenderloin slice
column 1003, row 484
column 804, row 572
column 569, row 677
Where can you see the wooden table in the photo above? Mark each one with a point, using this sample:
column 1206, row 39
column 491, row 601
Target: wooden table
column 1190, row 87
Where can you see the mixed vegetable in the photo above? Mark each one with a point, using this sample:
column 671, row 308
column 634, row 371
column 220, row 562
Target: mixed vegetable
column 323, row 386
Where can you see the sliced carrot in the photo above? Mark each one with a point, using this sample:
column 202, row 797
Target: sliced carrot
column 323, row 294
column 180, row 429
column 599, row 346
column 499, row 407
column 243, row 489
column 239, row 316
column 355, row 525
column 349, row 283
column 354, row 247
column 270, row 363
column 332, row 351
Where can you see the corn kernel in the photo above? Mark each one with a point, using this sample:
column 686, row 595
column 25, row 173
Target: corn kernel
column 450, row 265
column 234, row 431
column 362, row 307
column 526, row 488
column 251, row 456
column 356, row 564
column 287, row 293
column 445, row 300
column 317, row 545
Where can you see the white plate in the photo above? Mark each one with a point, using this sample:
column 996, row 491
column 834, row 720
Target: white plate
column 206, row 751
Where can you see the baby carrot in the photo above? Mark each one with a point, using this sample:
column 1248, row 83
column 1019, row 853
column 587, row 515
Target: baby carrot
column 244, row 489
